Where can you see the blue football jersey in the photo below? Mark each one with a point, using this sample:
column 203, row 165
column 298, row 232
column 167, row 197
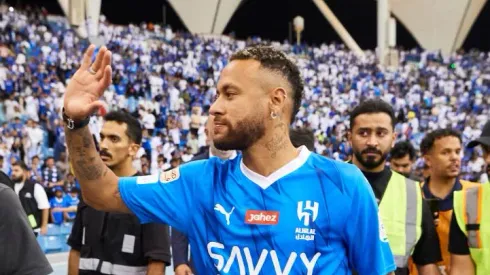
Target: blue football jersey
column 312, row 216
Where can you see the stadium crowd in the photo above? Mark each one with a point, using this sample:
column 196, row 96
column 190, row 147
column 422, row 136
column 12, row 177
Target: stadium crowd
column 167, row 80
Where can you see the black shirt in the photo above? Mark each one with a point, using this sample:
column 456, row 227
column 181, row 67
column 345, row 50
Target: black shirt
column 151, row 243
column 458, row 242
column 427, row 249
column 20, row 253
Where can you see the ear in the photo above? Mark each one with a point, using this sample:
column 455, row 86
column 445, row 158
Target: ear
column 427, row 160
column 278, row 98
column 393, row 140
column 133, row 149
column 349, row 137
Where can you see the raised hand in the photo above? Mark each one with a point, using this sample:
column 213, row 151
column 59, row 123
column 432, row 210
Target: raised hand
column 88, row 84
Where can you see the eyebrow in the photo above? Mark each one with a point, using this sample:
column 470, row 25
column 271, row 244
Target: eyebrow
column 370, row 129
column 109, row 135
column 227, row 86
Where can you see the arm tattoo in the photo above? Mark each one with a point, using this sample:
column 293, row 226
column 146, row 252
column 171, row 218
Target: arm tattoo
column 84, row 157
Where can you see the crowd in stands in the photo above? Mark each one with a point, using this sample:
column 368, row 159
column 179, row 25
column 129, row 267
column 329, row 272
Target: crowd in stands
column 167, row 80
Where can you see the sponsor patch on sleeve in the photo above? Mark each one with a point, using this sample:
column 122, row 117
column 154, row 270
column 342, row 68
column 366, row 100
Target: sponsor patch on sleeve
column 147, row 179
column 169, row 176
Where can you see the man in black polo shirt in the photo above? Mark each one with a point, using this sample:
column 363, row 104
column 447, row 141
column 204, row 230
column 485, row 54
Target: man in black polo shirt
column 20, row 253
column 112, row 243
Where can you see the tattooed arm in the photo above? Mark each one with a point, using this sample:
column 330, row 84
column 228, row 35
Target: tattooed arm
column 98, row 183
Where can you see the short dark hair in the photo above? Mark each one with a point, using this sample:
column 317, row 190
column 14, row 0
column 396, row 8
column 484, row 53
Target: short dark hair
column 301, row 137
column 372, row 106
column 429, row 139
column 276, row 61
column 133, row 131
column 21, row 164
column 401, row 149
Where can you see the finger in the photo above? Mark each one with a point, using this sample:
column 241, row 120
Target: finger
column 98, row 60
column 87, row 58
column 105, row 61
column 105, row 81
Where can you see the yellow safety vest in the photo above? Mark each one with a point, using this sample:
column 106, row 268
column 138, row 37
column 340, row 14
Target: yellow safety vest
column 401, row 213
column 469, row 208
column 443, row 233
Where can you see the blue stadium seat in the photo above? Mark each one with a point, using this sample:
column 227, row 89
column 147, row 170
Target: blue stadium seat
column 54, row 229
column 50, row 244
column 64, row 239
column 65, row 228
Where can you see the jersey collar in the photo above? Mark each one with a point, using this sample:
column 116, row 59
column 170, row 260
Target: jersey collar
column 265, row 182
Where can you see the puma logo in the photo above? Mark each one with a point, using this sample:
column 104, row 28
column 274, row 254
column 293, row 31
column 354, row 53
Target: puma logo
column 218, row 207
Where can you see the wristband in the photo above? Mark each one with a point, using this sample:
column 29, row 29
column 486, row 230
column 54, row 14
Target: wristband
column 74, row 124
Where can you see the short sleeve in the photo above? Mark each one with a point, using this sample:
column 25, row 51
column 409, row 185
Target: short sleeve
column 166, row 198
column 373, row 241
column 427, row 250
column 156, row 242
column 41, row 197
column 76, row 237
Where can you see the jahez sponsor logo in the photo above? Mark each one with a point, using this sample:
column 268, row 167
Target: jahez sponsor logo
column 261, row 217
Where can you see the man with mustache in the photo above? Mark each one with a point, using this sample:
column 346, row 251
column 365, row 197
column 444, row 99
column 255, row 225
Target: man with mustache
column 442, row 150
column 469, row 242
column 270, row 210
column 116, row 243
column 407, row 218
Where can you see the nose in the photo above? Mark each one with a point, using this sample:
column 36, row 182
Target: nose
column 217, row 108
column 372, row 141
column 455, row 155
column 103, row 144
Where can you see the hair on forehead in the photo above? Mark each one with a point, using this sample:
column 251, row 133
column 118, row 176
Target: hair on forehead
column 428, row 141
column 278, row 62
column 372, row 106
column 401, row 149
column 133, row 127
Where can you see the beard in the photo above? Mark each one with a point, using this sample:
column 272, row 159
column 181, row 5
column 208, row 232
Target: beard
column 370, row 162
column 17, row 179
column 245, row 134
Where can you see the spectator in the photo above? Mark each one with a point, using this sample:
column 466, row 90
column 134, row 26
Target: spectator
column 32, row 197
column 402, row 158
column 58, row 201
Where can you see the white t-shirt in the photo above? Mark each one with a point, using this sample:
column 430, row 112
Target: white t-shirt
column 39, row 195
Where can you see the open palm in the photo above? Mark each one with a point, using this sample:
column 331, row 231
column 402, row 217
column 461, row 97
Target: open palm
column 88, row 84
